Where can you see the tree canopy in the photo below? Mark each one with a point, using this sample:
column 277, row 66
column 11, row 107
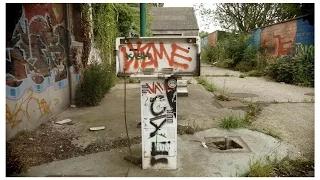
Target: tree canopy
column 129, row 18
column 243, row 17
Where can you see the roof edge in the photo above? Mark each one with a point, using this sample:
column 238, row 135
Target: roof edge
column 295, row 18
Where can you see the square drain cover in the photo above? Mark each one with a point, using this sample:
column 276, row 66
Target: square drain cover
column 228, row 144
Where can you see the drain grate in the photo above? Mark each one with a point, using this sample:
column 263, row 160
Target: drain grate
column 227, row 144
column 230, row 144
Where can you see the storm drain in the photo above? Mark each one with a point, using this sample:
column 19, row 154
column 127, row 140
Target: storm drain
column 228, row 144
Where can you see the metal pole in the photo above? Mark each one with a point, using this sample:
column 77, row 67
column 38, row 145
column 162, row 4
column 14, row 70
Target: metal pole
column 143, row 20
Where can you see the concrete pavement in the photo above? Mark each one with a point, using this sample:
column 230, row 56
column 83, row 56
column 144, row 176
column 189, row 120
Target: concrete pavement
column 294, row 122
column 193, row 159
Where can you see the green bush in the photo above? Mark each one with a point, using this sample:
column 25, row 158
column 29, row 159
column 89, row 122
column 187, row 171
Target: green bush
column 232, row 49
column 208, row 54
column 245, row 66
column 250, row 53
column 255, row 73
column 298, row 69
column 95, row 83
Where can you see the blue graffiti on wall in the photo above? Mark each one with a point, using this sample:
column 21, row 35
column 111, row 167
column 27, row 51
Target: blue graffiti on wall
column 305, row 32
column 204, row 41
column 255, row 37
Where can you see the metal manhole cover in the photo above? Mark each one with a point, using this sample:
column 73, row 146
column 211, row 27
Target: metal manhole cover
column 228, row 144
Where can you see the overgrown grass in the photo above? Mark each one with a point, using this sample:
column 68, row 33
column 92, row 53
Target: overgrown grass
column 254, row 110
column 233, row 122
column 260, row 169
column 208, row 86
column 242, row 76
column 285, row 167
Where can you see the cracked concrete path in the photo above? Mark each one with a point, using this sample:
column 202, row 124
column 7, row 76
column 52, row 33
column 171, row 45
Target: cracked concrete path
column 289, row 110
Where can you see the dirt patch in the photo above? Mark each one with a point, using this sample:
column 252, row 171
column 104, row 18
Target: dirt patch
column 188, row 129
column 46, row 144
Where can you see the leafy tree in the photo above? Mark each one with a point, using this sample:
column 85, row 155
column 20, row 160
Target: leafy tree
column 203, row 34
column 129, row 18
column 246, row 16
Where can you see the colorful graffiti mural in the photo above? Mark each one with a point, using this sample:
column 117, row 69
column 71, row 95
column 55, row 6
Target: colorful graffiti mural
column 35, row 48
column 279, row 39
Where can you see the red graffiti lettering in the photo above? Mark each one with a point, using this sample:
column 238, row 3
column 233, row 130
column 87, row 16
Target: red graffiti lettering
column 279, row 45
column 151, row 54
column 154, row 88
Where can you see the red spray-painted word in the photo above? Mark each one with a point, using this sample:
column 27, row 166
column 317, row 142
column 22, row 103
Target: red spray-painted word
column 153, row 89
column 150, row 58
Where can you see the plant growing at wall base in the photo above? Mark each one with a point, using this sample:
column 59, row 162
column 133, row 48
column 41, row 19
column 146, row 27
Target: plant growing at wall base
column 297, row 69
column 94, row 85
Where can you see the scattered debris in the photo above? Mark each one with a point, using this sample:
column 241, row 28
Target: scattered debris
column 204, row 144
column 73, row 106
column 97, row 128
column 31, row 139
column 53, row 145
column 63, row 121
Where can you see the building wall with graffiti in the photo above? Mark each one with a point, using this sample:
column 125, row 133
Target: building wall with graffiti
column 213, row 38
column 209, row 40
column 37, row 77
column 278, row 39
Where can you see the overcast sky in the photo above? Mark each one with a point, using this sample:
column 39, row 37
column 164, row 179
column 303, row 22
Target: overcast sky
column 211, row 28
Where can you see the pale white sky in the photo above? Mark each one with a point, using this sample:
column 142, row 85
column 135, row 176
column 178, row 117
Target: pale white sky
column 211, row 28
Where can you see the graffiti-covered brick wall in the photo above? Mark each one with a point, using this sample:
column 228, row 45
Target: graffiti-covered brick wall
column 36, row 65
column 209, row 40
column 278, row 39
column 213, row 38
